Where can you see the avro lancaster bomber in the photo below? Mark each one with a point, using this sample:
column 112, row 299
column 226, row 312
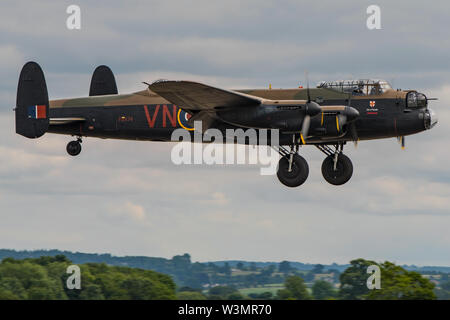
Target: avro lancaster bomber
column 327, row 116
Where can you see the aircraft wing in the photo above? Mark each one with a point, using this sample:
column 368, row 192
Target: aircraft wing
column 195, row 96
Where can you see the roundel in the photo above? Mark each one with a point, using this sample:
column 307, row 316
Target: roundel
column 183, row 118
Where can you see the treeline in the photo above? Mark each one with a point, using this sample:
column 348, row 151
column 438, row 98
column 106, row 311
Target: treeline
column 201, row 277
column 169, row 265
column 45, row 278
column 396, row 284
column 183, row 271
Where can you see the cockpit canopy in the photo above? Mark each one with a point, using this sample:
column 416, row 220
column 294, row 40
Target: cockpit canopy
column 361, row 87
column 416, row 100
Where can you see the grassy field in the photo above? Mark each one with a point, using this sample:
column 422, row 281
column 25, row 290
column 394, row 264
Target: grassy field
column 273, row 288
column 243, row 273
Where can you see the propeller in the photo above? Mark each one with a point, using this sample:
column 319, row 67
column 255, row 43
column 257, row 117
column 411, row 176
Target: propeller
column 312, row 108
column 401, row 140
column 305, row 128
column 348, row 116
column 307, row 87
column 353, row 131
column 354, row 134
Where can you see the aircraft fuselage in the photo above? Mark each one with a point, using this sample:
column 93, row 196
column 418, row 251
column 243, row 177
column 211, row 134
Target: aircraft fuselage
column 147, row 116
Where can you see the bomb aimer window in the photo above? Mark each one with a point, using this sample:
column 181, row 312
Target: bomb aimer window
column 362, row 87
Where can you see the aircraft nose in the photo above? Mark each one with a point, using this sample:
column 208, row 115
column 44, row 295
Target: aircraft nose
column 431, row 118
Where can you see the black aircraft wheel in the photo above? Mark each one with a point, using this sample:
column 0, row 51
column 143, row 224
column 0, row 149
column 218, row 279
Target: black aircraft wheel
column 298, row 174
column 73, row 148
column 343, row 172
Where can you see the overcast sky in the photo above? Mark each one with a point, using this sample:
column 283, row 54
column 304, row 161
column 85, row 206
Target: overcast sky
column 127, row 198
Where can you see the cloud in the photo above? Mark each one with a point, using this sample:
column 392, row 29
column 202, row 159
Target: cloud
column 9, row 54
column 218, row 198
column 133, row 211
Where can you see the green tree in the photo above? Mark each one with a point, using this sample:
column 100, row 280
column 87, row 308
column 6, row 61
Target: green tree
column 45, row 278
column 221, row 292
column 30, row 280
column 190, row 295
column 182, row 262
column 186, row 288
column 8, row 295
column 443, row 293
column 284, row 267
column 235, row 296
column 12, row 288
column 226, row 269
column 400, row 284
column 318, row 268
column 294, row 289
column 263, row 296
column 396, row 283
column 322, row 290
column 267, row 271
column 446, row 285
column 354, row 280
column 91, row 291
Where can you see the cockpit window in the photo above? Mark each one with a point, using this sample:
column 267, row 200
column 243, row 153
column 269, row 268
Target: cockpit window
column 416, row 100
column 362, row 87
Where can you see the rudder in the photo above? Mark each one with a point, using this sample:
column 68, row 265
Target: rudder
column 32, row 106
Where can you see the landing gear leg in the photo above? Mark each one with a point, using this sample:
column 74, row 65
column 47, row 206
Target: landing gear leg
column 293, row 169
column 74, row 147
column 337, row 168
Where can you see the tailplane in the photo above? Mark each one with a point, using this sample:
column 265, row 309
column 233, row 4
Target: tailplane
column 32, row 107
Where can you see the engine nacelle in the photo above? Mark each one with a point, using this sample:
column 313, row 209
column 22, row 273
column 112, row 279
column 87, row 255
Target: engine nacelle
column 326, row 126
column 332, row 122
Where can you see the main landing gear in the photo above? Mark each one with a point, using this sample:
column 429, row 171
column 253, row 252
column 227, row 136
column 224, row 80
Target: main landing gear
column 74, row 147
column 293, row 169
column 337, row 168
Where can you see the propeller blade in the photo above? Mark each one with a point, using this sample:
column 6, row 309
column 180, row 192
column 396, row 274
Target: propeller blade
column 401, row 141
column 312, row 107
column 354, row 133
column 305, row 128
column 341, row 120
column 307, row 86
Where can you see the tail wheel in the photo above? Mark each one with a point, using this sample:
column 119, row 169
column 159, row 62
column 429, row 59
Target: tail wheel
column 298, row 173
column 341, row 173
column 73, row 148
